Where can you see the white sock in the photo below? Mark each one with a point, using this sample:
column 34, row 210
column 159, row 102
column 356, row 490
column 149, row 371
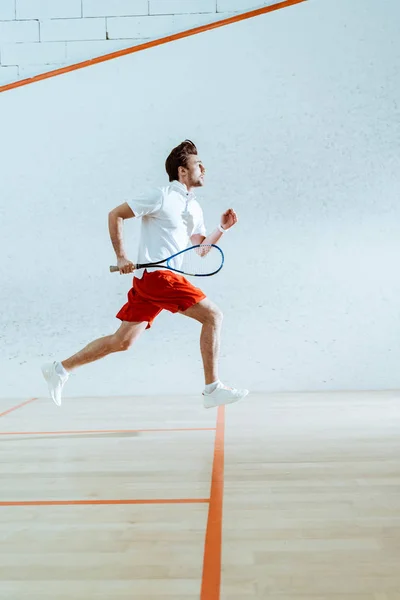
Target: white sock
column 60, row 369
column 210, row 387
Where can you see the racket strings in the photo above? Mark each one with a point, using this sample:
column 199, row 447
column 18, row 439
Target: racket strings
column 201, row 260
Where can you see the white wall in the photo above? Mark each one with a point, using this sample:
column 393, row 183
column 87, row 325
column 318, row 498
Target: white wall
column 41, row 35
column 295, row 115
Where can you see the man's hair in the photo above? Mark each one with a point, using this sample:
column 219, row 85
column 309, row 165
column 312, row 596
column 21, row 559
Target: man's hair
column 179, row 158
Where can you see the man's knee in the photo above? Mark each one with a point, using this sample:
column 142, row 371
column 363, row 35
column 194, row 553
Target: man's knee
column 204, row 312
column 124, row 338
column 215, row 315
column 125, row 344
column 120, row 344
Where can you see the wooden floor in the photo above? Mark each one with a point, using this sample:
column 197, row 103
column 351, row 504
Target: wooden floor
column 281, row 497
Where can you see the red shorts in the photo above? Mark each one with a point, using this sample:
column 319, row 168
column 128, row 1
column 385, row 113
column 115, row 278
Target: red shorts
column 157, row 291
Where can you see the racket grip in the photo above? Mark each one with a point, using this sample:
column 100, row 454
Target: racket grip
column 115, row 269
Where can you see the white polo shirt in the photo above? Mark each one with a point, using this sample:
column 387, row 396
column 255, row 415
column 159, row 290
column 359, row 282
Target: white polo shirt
column 170, row 216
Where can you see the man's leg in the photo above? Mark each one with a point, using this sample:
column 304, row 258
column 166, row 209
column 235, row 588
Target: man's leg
column 210, row 316
column 121, row 340
column 57, row 373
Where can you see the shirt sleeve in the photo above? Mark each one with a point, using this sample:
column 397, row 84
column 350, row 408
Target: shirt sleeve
column 146, row 203
column 199, row 226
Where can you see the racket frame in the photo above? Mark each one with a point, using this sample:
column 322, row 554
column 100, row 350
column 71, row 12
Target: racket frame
column 114, row 268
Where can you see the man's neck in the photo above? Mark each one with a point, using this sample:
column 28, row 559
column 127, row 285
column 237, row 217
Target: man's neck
column 184, row 184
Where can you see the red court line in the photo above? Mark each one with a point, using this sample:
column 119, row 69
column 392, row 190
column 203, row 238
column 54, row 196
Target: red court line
column 211, row 580
column 3, row 414
column 159, row 42
column 82, row 431
column 103, row 502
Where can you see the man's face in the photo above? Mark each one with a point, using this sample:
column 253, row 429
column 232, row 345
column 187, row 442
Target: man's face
column 195, row 172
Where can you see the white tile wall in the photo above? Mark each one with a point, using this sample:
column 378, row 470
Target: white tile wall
column 37, row 33
column 115, row 8
column 33, row 54
column 48, row 9
column 19, row 31
column 8, row 74
column 7, row 10
column 60, row 30
column 175, row 7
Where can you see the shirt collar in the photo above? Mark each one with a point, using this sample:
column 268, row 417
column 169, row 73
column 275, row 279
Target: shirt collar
column 177, row 186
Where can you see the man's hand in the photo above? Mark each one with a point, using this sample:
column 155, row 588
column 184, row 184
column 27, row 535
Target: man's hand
column 229, row 218
column 125, row 266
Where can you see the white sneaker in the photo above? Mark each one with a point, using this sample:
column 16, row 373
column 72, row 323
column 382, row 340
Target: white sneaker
column 55, row 381
column 223, row 395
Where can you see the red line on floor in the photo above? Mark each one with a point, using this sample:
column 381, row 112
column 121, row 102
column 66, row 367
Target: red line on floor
column 103, row 502
column 3, row 414
column 82, row 431
column 211, row 580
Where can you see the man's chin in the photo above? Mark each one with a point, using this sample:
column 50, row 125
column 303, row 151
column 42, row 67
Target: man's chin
column 198, row 183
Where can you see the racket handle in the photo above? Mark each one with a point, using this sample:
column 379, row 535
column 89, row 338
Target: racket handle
column 115, row 269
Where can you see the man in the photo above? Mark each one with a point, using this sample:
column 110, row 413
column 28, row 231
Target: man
column 171, row 217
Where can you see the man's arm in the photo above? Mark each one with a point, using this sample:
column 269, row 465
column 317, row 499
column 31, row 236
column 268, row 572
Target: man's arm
column 116, row 219
column 228, row 220
column 212, row 238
